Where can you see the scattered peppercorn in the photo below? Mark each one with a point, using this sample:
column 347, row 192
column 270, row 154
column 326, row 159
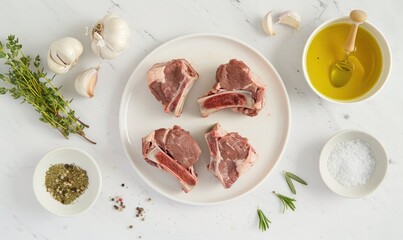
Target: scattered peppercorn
column 123, row 184
column 140, row 213
column 119, row 206
column 130, row 226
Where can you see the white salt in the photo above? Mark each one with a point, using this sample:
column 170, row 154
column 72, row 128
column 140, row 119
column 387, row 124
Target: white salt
column 351, row 163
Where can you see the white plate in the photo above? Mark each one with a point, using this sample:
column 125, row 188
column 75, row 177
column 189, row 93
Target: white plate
column 140, row 113
column 70, row 156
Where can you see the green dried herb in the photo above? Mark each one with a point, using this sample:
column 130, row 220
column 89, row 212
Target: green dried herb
column 35, row 88
column 66, row 182
column 286, row 201
column 291, row 176
column 263, row 220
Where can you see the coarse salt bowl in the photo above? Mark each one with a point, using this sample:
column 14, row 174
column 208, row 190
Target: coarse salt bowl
column 334, row 94
column 68, row 155
column 375, row 179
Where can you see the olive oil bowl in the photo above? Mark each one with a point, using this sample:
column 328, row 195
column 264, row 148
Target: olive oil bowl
column 72, row 159
column 371, row 60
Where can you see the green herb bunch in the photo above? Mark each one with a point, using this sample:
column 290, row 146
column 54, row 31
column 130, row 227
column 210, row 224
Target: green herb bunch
column 264, row 222
column 35, row 88
column 288, row 203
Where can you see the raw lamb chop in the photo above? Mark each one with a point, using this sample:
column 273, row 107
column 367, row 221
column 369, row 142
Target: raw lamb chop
column 174, row 151
column 230, row 155
column 170, row 83
column 237, row 88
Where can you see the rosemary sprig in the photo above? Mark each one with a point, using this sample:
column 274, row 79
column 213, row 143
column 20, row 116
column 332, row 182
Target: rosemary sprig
column 286, row 201
column 291, row 176
column 35, row 88
column 263, row 220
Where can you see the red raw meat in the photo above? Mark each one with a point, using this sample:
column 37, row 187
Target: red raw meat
column 174, row 151
column 230, row 155
column 237, row 88
column 170, row 83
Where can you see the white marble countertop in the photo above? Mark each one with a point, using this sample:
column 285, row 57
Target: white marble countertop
column 320, row 213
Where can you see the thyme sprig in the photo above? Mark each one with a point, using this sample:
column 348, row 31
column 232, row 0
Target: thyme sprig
column 263, row 220
column 34, row 87
column 286, row 201
column 291, row 176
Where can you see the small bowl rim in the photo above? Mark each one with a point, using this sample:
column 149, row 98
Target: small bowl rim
column 385, row 53
column 95, row 168
column 323, row 164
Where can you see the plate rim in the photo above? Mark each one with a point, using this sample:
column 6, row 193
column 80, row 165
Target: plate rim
column 123, row 111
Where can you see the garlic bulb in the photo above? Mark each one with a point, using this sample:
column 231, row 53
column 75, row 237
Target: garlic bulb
column 267, row 24
column 86, row 81
column 110, row 36
column 290, row 18
column 63, row 54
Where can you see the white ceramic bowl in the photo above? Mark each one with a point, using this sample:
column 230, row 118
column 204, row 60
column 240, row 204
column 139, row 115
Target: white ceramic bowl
column 386, row 60
column 373, row 182
column 68, row 155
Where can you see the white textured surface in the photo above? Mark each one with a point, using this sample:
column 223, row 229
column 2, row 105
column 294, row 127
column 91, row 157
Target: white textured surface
column 320, row 213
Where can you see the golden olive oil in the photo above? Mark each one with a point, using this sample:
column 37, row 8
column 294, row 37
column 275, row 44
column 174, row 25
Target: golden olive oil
column 326, row 49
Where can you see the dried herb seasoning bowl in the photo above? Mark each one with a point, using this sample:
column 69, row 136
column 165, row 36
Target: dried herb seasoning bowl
column 67, row 181
column 353, row 163
column 371, row 59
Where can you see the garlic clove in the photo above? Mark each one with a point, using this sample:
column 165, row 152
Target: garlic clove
column 54, row 54
column 110, row 36
column 64, row 52
column 267, row 24
column 56, row 67
column 104, row 49
column 67, row 50
column 86, row 81
column 290, row 18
